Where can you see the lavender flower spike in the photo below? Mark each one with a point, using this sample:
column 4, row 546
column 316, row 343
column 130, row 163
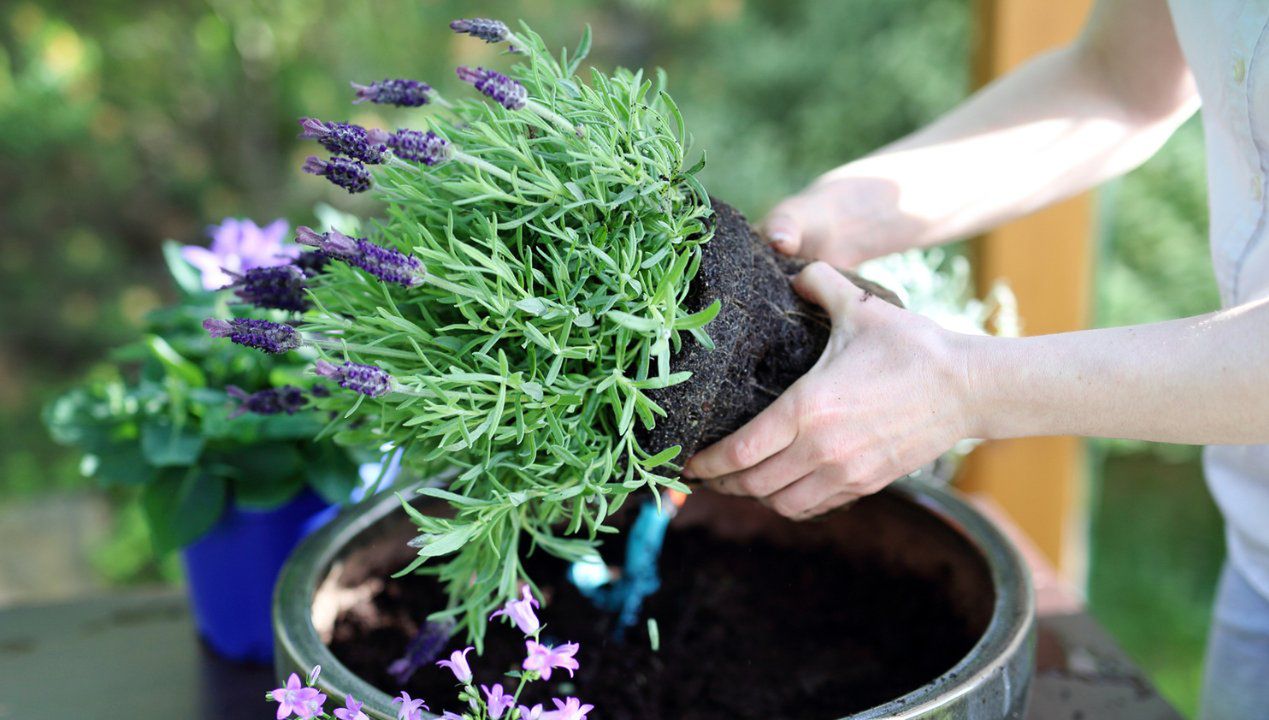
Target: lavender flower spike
column 498, row 87
column 365, row 379
column 280, row 287
column 270, row 401
column 349, row 174
column 263, row 335
column 427, row 148
column 387, row 264
column 491, row 31
column 400, row 92
column 340, row 138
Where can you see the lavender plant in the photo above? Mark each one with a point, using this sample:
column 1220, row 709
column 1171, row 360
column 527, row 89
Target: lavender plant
column 511, row 309
column 301, row 699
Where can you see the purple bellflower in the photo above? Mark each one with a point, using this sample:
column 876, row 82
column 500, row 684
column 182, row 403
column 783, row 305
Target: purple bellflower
column 294, row 698
column 491, row 31
column 411, row 708
column 387, row 264
column 498, row 87
column 497, row 700
column 270, row 401
column 400, row 92
column 448, row 715
column 457, row 664
column 354, row 141
column 262, row 335
column 570, row 709
column 421, row 147
column 531, row 713
column 348, row 174
column 365, row 379
column 521, row 612
column 280, row 287
column 238, row 246
column 351, row 710
column 543, row 660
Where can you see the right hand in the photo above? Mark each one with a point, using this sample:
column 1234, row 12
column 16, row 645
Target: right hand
column 842, row 220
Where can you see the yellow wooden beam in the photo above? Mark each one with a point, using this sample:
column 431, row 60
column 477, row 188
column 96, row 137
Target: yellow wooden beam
column 1047, row 260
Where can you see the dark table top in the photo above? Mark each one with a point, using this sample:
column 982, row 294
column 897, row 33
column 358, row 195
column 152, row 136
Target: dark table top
column 136, row 657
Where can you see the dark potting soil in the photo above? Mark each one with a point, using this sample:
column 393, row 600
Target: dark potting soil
column 747, row 630
column 765, row 338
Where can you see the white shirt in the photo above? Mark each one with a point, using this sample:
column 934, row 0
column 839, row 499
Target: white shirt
column 1226, row 43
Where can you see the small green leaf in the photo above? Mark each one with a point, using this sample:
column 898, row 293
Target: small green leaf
column 181, row 505
column 168, row 444
column 638, row 324
column 187, row 277
column 174, row 362
column 533, row 306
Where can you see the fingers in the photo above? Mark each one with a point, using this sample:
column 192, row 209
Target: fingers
column 771, row 431
column 783, row 228
column 823, row 285
column 817, row 492
column 770, row 475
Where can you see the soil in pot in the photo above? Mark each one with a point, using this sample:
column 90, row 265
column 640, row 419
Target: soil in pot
column 765, row 337
column 749, row 626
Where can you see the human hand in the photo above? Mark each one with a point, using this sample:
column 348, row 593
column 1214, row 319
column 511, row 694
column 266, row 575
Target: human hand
column 888, row 395
column 841, row 220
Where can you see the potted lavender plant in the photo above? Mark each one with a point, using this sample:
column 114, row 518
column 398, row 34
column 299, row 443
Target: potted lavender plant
column 549, row 312
column 217, row 441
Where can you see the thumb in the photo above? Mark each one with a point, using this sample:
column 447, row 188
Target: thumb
column 821, row 284
column 783, row 228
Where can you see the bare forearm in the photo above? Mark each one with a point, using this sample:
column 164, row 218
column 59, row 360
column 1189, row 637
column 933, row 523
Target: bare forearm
column 1197, row 380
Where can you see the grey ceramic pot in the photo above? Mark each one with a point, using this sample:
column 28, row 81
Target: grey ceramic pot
column 923, row 530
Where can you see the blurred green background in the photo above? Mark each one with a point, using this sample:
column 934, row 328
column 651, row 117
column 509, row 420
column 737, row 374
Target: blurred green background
column 124, row 122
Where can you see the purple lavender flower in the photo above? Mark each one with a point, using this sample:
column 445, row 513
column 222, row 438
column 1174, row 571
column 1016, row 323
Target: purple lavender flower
column 491, row 31
column 237, row 246
column 400, row 92
column 497, row 700
column 280, row 287
column 365, row 379
column 570, row 709
column 411, row 708
column 424, row 647
column 351, row 710
column 270, row 401
column 521, row 612
column 422, row 147
column 340, row 138
column 457, row 664
column 543, row 660
column 500, row 88
column 263, row 335
column 312, row 263
column 531, row 713
column 294, row 698
column 349, row 174
column 387, row 264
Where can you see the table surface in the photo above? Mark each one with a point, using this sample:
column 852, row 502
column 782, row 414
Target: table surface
column 136, row 657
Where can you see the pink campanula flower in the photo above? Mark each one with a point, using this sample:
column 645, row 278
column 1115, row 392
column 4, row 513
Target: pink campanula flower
column 294, row 698
column 570, row 709
column 351, row 710
column 411, row 708
column 497, row 700
column 457, row 664
column 239, row 245
column 521, row 612
column 542, row 659
column 531, row 713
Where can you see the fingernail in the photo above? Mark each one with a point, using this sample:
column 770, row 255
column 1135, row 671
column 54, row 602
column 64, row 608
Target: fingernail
column 687, row 473
column 779, row 237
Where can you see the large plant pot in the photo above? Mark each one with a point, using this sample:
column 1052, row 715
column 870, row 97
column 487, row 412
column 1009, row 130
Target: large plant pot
column 231, row 571
column 926, row 533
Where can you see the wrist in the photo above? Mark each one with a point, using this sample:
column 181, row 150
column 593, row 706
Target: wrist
column 987, row 388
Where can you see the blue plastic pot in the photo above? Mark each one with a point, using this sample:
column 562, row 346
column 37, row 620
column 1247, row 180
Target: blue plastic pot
column 231, row 571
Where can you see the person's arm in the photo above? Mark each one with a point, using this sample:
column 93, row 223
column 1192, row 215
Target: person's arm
column 1058, row 125
column 894, row 390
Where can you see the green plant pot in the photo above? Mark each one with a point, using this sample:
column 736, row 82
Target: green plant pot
column 929, row 532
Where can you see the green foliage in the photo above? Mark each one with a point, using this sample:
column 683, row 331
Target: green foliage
column 171, row 433
column 557, row 260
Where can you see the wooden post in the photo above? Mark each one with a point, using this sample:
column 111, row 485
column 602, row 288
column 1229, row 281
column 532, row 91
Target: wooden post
column 1047, row 260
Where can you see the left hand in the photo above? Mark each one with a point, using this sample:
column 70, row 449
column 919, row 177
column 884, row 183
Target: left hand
column 888, row 395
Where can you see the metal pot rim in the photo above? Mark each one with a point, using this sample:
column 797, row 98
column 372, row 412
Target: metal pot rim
column 1011, row 626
